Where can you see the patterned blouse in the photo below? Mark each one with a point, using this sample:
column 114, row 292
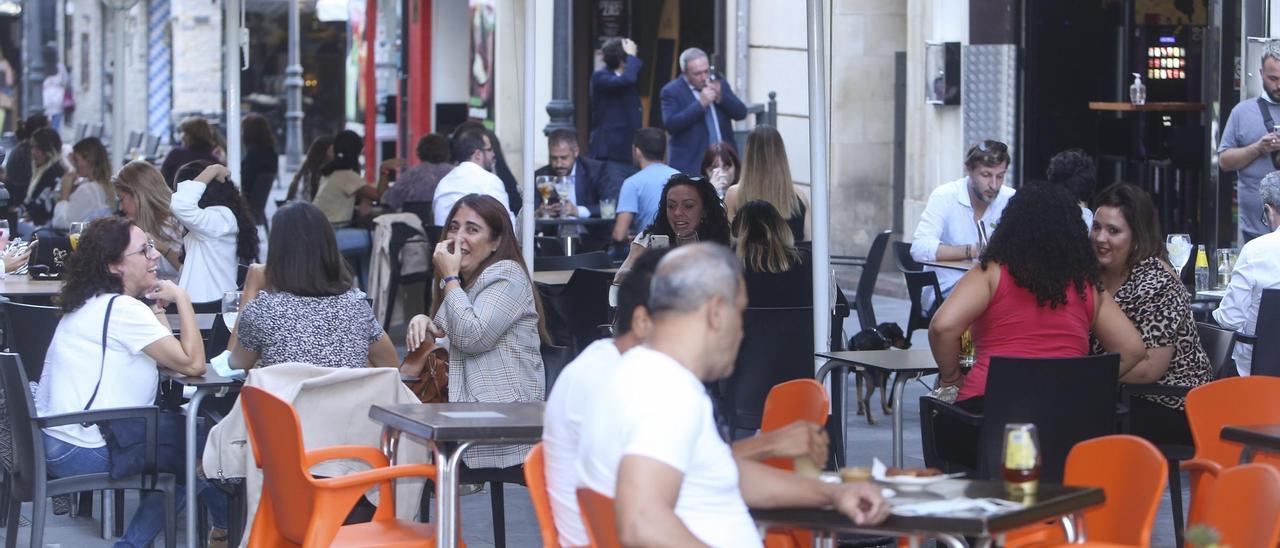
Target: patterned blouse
column 1158, row 305
column 494, row 349
column 331, row 331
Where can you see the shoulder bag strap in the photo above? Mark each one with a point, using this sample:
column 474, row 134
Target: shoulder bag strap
column 1266, row 115
column 106, row 320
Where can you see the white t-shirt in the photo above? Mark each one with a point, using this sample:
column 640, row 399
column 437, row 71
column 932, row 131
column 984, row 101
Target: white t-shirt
column 129, row 376
column 467, row 178
column 567, row 410
column 655, row 408
column 210, row 267
column 1257, row 268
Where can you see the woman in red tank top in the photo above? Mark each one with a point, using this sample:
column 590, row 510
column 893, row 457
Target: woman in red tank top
column 1035, row 293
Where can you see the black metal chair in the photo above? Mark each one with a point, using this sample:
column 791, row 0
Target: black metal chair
column 423, row 211
column 1266, row 347
column 29, row 331
column 29, row 479
column 775, row 348
column 554, row 358
column 548, row 246
column 867, row 281
column 1218, row 344
column 918, row 281
column 581, row 306
column 217, row 336
column 402, row 234
column 1068, row 399
column 595, row 259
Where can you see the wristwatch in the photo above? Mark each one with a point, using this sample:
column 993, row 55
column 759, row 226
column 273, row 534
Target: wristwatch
column 445, row 280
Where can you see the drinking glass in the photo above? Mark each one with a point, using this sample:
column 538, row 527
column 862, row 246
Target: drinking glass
column 608, row 208
column 230, row 309
column 545, row 185
column 967, row 352
column 563, row 188
column 74, row 234
column 1179, row 248
column 1021, row 458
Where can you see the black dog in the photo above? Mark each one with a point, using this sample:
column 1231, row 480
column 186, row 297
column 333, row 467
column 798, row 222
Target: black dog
column 882, row 337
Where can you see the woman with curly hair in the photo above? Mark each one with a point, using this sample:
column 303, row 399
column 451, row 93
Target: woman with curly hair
column 87, row 192
column 690, row 212
column 221, row 233
column 144, row 199
column 1035, row 293
column 112, row 270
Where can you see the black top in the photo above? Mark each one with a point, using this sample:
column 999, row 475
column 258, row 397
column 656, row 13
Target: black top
column 179, row 156
column 785, row 289
column 43, row 195
column 796, row 222
column 18, row 170
column 258, row 172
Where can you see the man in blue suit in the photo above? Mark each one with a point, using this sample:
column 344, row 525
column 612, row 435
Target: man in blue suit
column 615, row 102
column 697, row 109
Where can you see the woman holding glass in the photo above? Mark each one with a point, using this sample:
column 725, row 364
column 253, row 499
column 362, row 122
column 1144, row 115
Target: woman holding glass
column 1126, row 240
column 86, row 189
column 690, row 212
column 720, row 164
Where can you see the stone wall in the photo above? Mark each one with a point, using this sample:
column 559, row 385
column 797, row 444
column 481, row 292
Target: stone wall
column 197, row 57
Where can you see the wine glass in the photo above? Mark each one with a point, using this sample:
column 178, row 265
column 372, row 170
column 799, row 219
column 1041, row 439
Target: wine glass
column 563, row 188
column 1179, row 248
column 230, row 309
column 545, row 184
column 74, row 234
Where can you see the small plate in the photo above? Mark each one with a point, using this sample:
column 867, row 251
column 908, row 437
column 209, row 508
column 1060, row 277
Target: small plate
column 909, row 483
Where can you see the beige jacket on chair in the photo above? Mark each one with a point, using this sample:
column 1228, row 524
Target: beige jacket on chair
column 333, row 406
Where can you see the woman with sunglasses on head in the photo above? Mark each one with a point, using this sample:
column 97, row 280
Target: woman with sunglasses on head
column 107, row 278
column 221, row 233
column 690, row 212
column 1257, row 268
column 145, row 199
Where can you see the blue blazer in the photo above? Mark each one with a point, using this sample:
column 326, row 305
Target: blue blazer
column 682, row 116
column 615, row 112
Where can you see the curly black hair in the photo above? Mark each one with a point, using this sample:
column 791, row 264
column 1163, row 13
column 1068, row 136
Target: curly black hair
column 1042, row 242
column 714, row 224
column 226, row 194
column 86, row 274
column 1075, row 170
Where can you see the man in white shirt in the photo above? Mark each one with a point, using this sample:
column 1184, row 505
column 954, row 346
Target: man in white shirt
column 474, row 175
column 961, row 215
column 1257, row 268
column 650, row 442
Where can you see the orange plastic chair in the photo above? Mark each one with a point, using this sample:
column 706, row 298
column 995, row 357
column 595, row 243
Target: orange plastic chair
column 535, row 478
column 1243, row 506
column 797, row 400
column 1235, row 400
column 599, row 517
column 297, row 509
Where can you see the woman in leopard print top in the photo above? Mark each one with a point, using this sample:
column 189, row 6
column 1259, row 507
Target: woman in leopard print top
column 1126, row 238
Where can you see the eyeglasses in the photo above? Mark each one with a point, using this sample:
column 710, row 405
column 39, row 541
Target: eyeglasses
column 1266, row 219
column 988, row 150
column 146, row 250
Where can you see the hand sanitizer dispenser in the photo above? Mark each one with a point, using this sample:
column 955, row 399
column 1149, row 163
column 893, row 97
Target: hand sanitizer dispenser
column 1138, row 91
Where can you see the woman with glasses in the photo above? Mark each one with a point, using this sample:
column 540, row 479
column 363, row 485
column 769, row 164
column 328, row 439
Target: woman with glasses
column 689, row 212
column 145, row 199
column 112, row 270
column 86, row 189
column 766, row 175
column 221, row 233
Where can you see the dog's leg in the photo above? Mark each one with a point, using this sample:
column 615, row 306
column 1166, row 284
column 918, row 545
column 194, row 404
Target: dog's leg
column 862, row 406
column 885, row 402
column 864, row 400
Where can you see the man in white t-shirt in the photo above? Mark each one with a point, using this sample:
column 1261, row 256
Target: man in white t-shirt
column 570, row 404
column 650, row 442
column 961, row 215
column 474, row 175
column 1257, row 269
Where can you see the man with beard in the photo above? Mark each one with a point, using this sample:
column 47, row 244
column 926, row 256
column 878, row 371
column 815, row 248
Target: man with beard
column 1250, row 142
column 962, row 214
column 474, row 155
column 590, row 180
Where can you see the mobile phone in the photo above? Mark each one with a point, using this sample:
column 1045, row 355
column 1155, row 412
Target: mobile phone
column 659, row 241
column 711, row 73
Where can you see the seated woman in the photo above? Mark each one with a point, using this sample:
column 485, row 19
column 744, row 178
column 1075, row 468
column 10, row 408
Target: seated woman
column 306, row 181
column 490, row 310
column 691, row 212
column 1035, row 293
column 47, row 170
column 766, row 175
column 777, row 273
column 308, row 310
column 341, row 184
column 220, row 230
column 720, row 164
column 87, row 192
column 199, row 140
column 112, row 269
column 1126, row 238
column 145, row 200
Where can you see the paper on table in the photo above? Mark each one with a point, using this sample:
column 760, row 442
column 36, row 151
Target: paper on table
column 962, row 505
column 472, row 414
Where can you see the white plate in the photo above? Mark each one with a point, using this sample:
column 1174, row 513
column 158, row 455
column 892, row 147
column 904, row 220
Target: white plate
column 913, row 482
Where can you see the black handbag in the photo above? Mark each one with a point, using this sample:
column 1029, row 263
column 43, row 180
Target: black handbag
column 50, row 255
column 126, row 439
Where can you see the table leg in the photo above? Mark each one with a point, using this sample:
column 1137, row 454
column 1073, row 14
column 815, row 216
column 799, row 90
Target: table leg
column 899, row 384
column 193, row 413
column 953, row 541
column 448, row 457
column 1246, row 455
column 980, row 542
column 1073, row 527
column 840, row 399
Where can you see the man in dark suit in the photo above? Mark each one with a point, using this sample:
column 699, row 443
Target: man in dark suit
column 615, row 102
column 697, row 109
column 592, row 180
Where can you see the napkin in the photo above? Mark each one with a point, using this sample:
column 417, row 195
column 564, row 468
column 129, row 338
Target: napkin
column 961, row 505
column 221, row 365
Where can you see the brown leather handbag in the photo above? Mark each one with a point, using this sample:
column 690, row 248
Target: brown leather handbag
column 430, row 364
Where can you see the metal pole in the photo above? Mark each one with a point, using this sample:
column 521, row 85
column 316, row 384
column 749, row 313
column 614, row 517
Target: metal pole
column 818, row 179
column 293, row 95
column 33, row 58
column 561, row 105
column 231, row 60
column 526, row 151
column 118, row 90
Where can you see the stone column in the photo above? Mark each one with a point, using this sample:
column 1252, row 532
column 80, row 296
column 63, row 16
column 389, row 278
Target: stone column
column 561, row 105
column 293, row 95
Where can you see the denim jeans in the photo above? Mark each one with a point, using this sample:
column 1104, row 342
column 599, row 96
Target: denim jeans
column 64, row 459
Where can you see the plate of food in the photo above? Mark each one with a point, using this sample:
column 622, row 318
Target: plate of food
column 909, row 478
